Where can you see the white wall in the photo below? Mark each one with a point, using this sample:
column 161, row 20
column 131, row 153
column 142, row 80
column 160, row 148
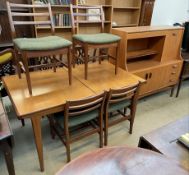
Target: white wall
column 168, row 12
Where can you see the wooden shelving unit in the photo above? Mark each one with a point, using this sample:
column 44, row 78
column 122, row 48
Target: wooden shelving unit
column 126, row 13
column 146, row 51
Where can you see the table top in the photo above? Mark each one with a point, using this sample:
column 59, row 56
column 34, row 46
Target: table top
column 102, row 77
column 122, row 161
column 50, row 90
column 5, row 129
column 164, row 140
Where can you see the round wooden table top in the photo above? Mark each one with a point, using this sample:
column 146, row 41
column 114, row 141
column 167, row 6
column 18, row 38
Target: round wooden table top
column 122, row 161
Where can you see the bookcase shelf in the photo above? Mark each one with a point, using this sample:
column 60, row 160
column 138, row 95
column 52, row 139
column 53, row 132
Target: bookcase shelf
column 126, row 8
column 118, row 13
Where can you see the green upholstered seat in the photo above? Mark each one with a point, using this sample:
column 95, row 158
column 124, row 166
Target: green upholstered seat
column 43, row 43
column 117, row 106
column 5, row 57
column 100, row 38
column 74, row 121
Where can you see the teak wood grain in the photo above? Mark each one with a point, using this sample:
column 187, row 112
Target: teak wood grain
column 102, row 77
column 122, row 161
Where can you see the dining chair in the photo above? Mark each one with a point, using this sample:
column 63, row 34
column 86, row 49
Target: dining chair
column 82, row 15
column 28, row 48
column 120, row 100
column 76, row 116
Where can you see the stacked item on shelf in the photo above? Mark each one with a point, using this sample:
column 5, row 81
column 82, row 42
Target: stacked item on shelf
column 62, row 19
column 57, row 2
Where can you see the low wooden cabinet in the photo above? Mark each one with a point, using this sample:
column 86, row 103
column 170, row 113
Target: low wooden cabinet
column 152, row 53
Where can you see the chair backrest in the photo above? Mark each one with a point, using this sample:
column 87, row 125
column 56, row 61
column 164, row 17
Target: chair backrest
column 126, row 93
column 86, row 15
column 79, row 107
column 43, row 18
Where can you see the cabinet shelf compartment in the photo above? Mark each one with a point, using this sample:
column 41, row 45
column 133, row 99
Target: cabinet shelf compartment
column 141, row 53
column 145, row 48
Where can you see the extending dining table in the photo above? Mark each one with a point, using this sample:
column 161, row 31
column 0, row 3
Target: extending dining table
column 51, row 90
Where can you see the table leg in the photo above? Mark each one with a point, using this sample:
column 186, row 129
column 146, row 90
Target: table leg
column 36, row 124
column 8, row 156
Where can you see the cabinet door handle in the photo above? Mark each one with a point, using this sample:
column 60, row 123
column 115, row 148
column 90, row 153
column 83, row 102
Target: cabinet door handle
column 146, row 76
column 173, row 73
column 174, row 34
column 150, row 75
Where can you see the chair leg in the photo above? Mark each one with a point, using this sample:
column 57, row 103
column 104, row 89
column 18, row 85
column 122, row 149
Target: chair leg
column 99, row 57
column 54, row 63
column 23, row 122
column 117, row 57
column 69, row 65
column 27, row 73
column 51, row 124
column 106, row 129
column 178, row 88
column 86, row 60
column 67, row 141
column 17, row 63
column 74, row 52
column 101, row 131
column 125, row 111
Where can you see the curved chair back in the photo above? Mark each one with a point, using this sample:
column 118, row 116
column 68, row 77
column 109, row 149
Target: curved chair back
column 42, row 18
column 86, row 15
column 126, row 93
column 87, row 105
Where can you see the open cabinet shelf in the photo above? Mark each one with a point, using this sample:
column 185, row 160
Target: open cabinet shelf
column 141, row 53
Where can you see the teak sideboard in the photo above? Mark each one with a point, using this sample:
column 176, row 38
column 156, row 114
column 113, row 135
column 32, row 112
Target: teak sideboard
column 152, row 53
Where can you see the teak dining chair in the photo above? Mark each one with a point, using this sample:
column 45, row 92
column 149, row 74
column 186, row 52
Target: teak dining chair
column 75, row 114
column 37, row 47
column 81, row 15
column 118, row 99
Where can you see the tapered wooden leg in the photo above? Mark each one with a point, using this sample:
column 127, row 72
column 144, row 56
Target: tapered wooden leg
column 172, row 91
column 69, row 65
column 16, row 60
column 74, row 52
column 117, row 58
column 67, row 143
column 54, row 63
column 86, row 60
column 101, row 131
column 36, row 124
column 27, row 73
column 23, row 122
column 106, row 129
column 178, row 88
column 100, row 55
column 8, row 156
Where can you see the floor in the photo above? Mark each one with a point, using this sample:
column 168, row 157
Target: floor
column 152, row 112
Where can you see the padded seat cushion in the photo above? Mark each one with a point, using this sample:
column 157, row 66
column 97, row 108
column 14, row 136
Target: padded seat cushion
column 43, row 43
column 120, row 105
column 100, row 38
column 77, row 120
column 5, row 57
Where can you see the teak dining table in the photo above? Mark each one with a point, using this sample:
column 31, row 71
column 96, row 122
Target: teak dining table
column 51, row 91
